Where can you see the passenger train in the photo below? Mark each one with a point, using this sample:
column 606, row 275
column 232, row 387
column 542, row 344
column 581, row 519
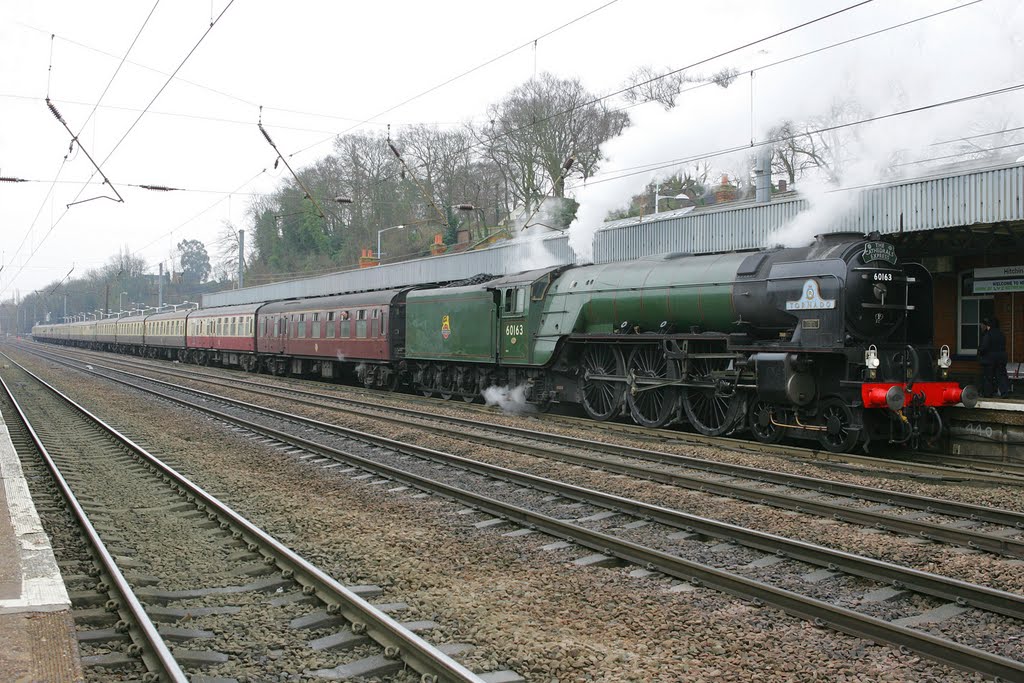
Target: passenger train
column 830, row 342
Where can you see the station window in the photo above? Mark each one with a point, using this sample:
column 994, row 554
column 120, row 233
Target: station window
column 971, row 310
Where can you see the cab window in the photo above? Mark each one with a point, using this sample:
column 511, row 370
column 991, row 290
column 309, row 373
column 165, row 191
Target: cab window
column 540, row 288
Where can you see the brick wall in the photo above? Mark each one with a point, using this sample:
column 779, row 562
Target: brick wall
column 1009, row 308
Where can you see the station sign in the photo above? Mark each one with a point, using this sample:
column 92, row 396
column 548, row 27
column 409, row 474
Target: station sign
column 998, row 272
column 999, row 279
column 1015, row 284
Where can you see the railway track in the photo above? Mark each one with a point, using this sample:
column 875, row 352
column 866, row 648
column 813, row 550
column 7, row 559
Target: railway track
column 972, row 627
column 926, row 466
column 170, row 583
column 936, row 519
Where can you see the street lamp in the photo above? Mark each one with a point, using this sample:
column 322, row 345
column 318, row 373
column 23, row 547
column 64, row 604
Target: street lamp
column 457, row 207
column 658, row 197
column 381, row 232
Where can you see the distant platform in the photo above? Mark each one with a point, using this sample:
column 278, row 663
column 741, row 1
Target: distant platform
column 37, row 632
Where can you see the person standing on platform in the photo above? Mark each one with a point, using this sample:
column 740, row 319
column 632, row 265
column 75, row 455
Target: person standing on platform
column 992, row 356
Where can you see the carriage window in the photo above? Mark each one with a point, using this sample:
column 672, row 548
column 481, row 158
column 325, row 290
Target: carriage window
column 971, row 310
column 376, row 313
column 302, row 326
column 361, row 323
column 510, row 300
column 316, row 326
column 344, row 327
column 520, row 299
column 234, row 325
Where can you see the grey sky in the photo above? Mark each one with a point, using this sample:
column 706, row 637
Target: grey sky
column 342, row 62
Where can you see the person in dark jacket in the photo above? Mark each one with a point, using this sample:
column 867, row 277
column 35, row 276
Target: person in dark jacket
column 992, row 356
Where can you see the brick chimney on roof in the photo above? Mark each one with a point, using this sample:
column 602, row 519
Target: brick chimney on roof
column 725, row 192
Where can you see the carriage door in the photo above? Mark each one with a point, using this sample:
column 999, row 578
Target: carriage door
column 513, row 324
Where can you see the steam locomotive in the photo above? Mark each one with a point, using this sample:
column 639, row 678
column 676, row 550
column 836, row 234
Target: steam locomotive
column 830, row 342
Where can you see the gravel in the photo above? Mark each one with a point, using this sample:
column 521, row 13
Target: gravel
column 523, row 607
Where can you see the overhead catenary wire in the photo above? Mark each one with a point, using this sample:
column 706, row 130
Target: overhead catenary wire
column 119, row 66
column 74, row 141
column 416, row 182
column 74, row 137
column 309, row 195
column 596, row 100
column 781, row 61
column 532, row 41
column 609, row 95
column 54, row 224
column 778, row 62
column 658, row 165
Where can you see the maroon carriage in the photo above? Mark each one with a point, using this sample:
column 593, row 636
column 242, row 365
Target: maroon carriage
column 223, row 336
column 360, row 334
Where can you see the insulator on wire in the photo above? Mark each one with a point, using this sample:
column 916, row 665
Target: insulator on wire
column 53, row 110
column 158, row 188
column 393, row 149
column 11, row 179
column 266, row 134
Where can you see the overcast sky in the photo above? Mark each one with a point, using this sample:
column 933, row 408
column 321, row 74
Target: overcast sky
column 320, row 68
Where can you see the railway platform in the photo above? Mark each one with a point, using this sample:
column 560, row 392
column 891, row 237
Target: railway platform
column 992, row 430
column 37, row 633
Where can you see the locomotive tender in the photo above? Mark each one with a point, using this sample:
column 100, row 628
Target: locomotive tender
column 830, row 342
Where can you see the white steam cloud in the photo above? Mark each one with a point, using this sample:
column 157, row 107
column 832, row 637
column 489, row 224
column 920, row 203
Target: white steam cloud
column 958, row 54
column 509, row 400
column 532, row 229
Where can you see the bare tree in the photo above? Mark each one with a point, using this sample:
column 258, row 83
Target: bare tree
column 820, row 143
column 537, row 127
column 649, row 85
column 124, row 265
